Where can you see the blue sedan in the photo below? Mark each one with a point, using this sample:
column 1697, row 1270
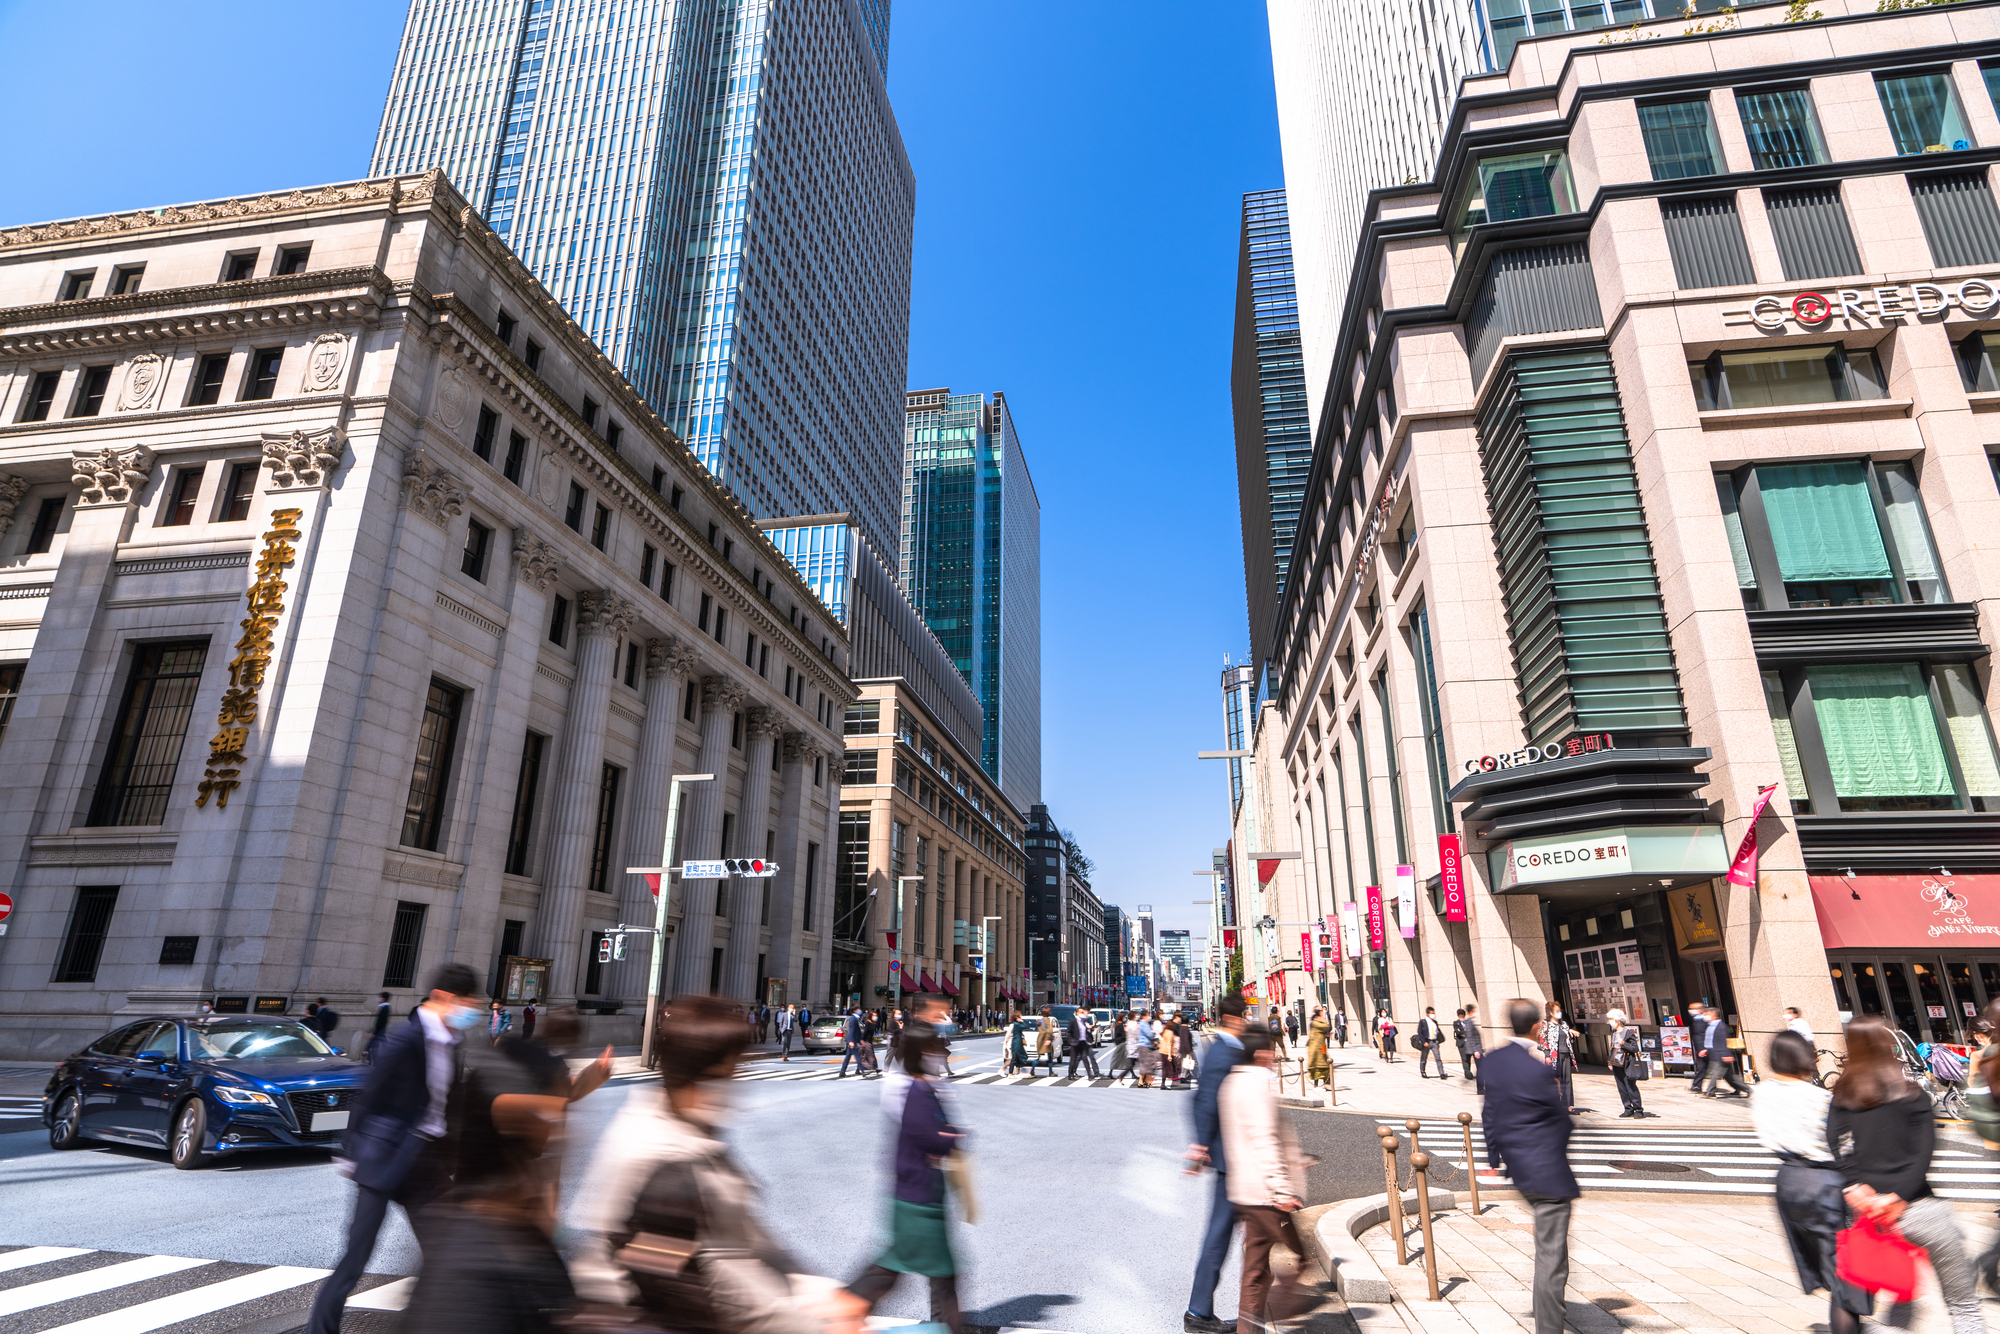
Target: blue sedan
column 204, row 1088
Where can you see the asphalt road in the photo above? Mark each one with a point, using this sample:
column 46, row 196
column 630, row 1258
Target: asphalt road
column 1089, row 1224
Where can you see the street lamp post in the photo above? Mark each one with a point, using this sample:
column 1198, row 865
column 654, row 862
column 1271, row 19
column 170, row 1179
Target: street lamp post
column 901, row 880
column 666, row 873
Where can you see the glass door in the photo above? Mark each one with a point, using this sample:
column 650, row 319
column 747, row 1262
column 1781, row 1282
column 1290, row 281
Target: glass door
column 1935, row 1016
column 1902, row 997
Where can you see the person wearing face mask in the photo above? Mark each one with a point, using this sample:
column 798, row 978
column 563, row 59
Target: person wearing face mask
column 396, row 1146
column 669, row 1236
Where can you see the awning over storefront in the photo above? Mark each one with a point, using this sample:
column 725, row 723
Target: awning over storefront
column 925, row 982
column 946, row 983
column 1891, row 912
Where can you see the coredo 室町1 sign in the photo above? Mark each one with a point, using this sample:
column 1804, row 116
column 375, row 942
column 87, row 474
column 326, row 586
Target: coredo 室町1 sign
column 1604, row 852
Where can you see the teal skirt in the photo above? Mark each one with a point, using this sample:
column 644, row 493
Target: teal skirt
column 918, row 1241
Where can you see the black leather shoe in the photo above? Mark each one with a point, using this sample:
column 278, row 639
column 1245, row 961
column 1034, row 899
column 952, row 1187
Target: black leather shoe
column 1206, row 1324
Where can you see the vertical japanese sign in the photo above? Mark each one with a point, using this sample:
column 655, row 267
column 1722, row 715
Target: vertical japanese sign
column 266, row 600
column 1350, row 931
column 1307, row 959
column 1406, row 901
column 1451, row 874
column 1378, row 930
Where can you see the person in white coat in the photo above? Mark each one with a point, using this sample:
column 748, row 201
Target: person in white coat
column 1267, row 1177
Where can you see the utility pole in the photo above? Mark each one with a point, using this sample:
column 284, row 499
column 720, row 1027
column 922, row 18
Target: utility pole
column 665, row 871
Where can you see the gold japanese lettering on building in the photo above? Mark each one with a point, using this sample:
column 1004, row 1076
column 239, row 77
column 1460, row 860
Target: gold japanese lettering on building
column 266, row 600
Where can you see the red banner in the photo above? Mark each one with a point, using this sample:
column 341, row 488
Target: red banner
column 1743, row 871
column 1229, row 937
column 1378, row 935
column 1451, row 875
column 1266, row 868
column 1306, row 958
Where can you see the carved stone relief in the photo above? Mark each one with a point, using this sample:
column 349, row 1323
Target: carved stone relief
column 535, row 561
column 669, row 655
column 451, row 395
column 326, row 358
column 548, row 480
column 144, row 375
column 111, row 475
column 602, row 612
column 11, row 490
column 304, row 458
column 431, row 491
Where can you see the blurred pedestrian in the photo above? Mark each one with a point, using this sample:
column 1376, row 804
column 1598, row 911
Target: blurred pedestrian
column 788, row 1019
column 663, row 1189
column 1386, row 1030
column 1168, row 1042
column 498, row 1021
column 1882, row 1135
column 395, row 1146
column 926, row 1139
column 1318, row 1069
column 1789, row 1113
column 1340, row 1025
column 1206, row 1151
column 528, row 1018
column 1527, row 1127
column 1080, row 1049
column 1121, row 1050
column 324, row 1020
column 1292, row 1027
column 1048, row 1041
column 1266, row 1179
column 1796, row 1022
column 1722, row 1063
column 1146, row 1057
column 1472, row 1045
column 382, row 1020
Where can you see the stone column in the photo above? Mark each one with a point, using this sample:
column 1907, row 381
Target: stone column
column 794, row 832
column 746, row 904
column 701, row 809
column 668, row 663
column 601, row 620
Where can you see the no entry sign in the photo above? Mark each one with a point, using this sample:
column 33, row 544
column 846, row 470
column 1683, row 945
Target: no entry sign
column 6, row 906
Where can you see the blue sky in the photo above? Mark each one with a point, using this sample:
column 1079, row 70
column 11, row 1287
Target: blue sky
column 1080, row 168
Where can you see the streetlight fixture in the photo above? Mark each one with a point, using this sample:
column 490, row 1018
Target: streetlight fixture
column 901, row 880
column 666, row 873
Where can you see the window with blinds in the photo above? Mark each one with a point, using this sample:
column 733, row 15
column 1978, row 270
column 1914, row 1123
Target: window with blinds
column 1838, row 533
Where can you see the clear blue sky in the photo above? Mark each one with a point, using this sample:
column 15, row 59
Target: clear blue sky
column 1079, row 167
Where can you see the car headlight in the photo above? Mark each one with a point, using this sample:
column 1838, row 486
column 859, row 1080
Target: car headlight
column 243, row 1097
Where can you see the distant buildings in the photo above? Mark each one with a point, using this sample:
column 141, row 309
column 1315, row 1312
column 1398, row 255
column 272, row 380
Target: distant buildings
column 971, row 560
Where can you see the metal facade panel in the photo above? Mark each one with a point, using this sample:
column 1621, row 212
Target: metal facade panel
column 1536, row 289
column 1810, row 227
column 1959, row 217
column 1705, row 237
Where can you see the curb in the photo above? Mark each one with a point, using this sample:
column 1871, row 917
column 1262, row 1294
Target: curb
column 1336, row 1237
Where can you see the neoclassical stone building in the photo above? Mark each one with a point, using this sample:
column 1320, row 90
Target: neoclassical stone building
column 354, row 613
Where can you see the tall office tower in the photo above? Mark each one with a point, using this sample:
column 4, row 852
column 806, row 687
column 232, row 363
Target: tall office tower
column 972, row 562
column 1239, row 706
column 1267, row 388
column 1364, row 92
column 1177, row 948
column 716, row 190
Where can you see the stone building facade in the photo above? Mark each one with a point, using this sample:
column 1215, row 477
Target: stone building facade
column 357, row 614
column 1651, row 478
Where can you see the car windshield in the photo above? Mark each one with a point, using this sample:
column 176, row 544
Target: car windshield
column 246, row 1040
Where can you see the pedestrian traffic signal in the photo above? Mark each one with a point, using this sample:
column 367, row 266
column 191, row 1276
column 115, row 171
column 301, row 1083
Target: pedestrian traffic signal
column 604, row 949
column 618, row 946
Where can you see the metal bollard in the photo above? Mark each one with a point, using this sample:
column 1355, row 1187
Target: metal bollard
column 1471, row 1163
column 1419, row 1163
column 1389, row 1147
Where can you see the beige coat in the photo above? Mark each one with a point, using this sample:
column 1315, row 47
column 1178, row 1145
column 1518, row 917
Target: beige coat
column 1258, row 1142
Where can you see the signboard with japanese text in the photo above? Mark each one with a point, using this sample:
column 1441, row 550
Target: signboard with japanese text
column 1675, row 1046
column 1451, row 876
column 1378, row 926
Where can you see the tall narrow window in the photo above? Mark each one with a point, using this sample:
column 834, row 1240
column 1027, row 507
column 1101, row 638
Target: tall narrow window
column 41, row 396
column 707, row 605
column 1680, row 141
column 262, row 383
column 532, row 354
column 811, row 883
column 1781, row 128
column 659, row 476
column 607, row 817
column 632, row 664
column 1433, row 719
column 208, row 377
column 591, row 407
column 90, row 394
column 600, row 527
column 83, row 941
column 483, row 433
column 48, row 518
column 241, row 490
column 559, row 621
column 1389, row 749
column 478, row 540
column 504, row 327
column 406, row 939
column 647, row 558
column 521, row 827
column 145, row 748
column 181, row 503
column 667, row 580
column 10, row 690
column 722, row 625
column 517, row 457
column 1367, row 801
column 573, row 512
column 613, row 433
column 437, row 740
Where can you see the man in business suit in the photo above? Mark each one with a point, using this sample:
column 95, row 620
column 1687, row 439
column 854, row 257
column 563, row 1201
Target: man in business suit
column 1429, row 1043
column 855, row 1029
column 1225, row 1053
column 1722, row 1059
column 1698, row 1022
column 1472, row 1046
column 395, row 1146
column 1079, row 1044
column 1527, row 1130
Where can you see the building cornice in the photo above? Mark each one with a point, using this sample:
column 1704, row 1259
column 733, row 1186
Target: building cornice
column 173, row 315
column 176, row 218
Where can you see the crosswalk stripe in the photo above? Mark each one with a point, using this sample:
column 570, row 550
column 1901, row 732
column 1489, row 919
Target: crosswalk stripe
column 38, row 1255
column 389, row 1297
column 194, row 1302
column 31, row 1295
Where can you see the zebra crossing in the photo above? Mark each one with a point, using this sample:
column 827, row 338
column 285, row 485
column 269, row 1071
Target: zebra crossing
column 16, row 1112
column 75, row 1290
column 959, row 1080
column 1712, row 1162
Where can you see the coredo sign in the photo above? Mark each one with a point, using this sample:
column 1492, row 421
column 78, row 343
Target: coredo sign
column 1378, row 932
column 1868, row 307
column 1602, row 853
column 1451, row 876
column 1580, row 744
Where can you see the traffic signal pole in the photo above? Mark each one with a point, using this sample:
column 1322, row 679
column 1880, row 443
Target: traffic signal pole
column 656, row 960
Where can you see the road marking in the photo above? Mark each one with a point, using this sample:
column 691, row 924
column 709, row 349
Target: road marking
column 389, row 1297
column 38, row 1255
column 28, row 1297
column 194, row 1302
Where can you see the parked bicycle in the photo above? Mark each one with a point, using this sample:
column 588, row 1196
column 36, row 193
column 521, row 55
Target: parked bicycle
column 1825, row 1078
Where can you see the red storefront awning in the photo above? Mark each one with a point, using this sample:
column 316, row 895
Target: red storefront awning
column 1935, row 912
column 947, row 985
column 928, row 983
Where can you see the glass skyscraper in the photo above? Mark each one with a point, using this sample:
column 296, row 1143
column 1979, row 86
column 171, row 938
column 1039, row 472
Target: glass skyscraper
column 1267, row 386
column 717, row 191
column 972, row 562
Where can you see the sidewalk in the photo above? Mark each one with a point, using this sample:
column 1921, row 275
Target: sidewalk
column 1637, row 1265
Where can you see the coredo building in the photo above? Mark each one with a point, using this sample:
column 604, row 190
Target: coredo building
column 356, row 614
column 1654, row 476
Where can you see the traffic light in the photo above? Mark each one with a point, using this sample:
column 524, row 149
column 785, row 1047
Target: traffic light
column 618, row 946
column 604, row 949
column 750, row 866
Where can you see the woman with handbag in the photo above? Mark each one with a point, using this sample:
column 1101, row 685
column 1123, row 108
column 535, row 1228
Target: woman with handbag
column 670, row 1234
column 1789, row 1112
column 1559, row 1050
column 1882, row 1134
column 1388, row 1033
column 1317, row 1030
column 1628, row 1064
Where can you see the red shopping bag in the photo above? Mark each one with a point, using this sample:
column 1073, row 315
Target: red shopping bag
column 1879, row 1259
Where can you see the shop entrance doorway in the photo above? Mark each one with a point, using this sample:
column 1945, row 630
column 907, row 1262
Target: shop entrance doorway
column 1931, row 997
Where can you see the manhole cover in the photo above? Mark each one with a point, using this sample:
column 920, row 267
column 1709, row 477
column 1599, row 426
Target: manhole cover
column 1633, row 1165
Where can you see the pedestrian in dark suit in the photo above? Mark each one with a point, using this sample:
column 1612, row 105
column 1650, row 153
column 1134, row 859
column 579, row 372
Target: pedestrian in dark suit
column 1429, row 1043
column 395, row 1146
column 1527, row 1130
column 1722, row 1060
column 382, row 1018
column 1080, row 1052
column 1471, row 1045
column 857, row 1033
column 1225, row 1052
column 1698, row 1046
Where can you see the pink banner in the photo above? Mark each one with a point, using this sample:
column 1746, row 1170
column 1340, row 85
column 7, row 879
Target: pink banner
column 1378, row 935
column 1451, row 875
column 1307, row 959
column 1743, row 871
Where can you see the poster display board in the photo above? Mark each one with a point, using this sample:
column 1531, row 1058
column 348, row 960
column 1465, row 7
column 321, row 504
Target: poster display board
column 1604, row 978
column 1676, row 1048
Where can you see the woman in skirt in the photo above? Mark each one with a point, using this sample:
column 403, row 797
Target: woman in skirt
column 1147, row 1056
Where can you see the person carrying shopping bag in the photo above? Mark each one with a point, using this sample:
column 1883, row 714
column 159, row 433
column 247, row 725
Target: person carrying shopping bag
column 1789, row 1113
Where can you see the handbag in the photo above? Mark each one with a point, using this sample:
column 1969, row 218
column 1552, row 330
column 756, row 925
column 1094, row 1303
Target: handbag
column 958, row 1176
column 1876, row 1260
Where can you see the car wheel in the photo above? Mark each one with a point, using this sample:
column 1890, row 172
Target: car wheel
column 190, row 1125
column 66, row 1126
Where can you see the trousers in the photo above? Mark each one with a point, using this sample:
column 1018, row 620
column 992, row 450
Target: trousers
column 1214, row 1249
column 1628, row 1088
column 1551, row 1261
column 1930, row 1223
column 876, row 1281
column 1080, row 1053
column 1265, row 1226
column 1718, row 1071
column 1425, row 1055
column 424, row 1184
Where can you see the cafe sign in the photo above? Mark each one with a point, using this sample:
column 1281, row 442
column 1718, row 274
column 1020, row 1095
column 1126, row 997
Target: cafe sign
column 1867, row 307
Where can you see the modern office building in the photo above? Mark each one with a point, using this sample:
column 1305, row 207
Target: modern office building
column 1267, row 391
column 341, row 644
column 1710, row 324
column 1117, row 951
column 1177, row 949
column 717, row 192
column 972, row 562
column 914, row 801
